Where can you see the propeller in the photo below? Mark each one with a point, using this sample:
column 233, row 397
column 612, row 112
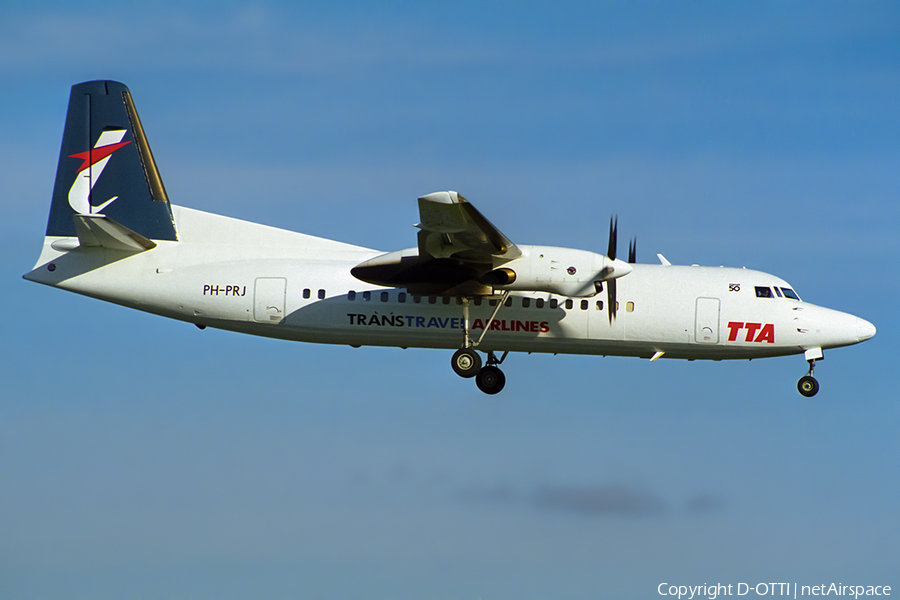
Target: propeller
column 611, row 254
column 612, row 304
column 614, row 268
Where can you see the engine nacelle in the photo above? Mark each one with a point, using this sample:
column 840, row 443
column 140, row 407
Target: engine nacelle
column 562, row 271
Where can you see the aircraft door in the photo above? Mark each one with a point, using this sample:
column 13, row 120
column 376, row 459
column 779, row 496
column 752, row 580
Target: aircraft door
column 268, row 299
column 706, row 325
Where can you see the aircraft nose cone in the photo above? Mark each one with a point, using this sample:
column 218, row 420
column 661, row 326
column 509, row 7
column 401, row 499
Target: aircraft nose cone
column 864, row 329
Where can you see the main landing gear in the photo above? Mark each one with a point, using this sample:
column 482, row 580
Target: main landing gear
column 489, row 378
column 466, row 362
column 808, row 386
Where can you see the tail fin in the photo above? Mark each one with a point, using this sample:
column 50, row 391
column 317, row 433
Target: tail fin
column 106, row 167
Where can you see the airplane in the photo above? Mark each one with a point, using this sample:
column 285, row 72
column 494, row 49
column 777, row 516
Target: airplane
column 112, row 234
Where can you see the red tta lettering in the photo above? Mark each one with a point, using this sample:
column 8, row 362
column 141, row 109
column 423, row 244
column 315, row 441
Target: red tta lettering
column 766, row 332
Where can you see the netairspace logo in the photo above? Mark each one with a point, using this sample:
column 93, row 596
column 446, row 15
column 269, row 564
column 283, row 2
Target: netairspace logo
column 770, row 589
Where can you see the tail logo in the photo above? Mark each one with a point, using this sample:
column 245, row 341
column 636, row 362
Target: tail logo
column 89, row 172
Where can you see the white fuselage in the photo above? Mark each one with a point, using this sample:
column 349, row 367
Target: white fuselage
column 254, row 279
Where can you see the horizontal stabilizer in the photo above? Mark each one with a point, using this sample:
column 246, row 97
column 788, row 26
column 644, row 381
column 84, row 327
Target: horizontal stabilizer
column 101, row 231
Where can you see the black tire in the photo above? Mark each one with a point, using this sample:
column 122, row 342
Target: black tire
column 466, row 362
column 808, row 386
column 490, row 380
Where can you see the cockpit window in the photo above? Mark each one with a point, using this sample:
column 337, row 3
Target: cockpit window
column 763, row 292
column 789, row 293
column 778, row 293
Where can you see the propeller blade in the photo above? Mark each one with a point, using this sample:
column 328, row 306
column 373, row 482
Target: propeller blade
column 632, row 251
column 613, row 234
column 611, row 299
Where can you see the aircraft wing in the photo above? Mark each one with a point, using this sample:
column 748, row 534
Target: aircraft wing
column 457, row 247
column 452, row 228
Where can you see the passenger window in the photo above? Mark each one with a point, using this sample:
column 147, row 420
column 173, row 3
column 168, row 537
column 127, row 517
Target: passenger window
column 306, row 293
column 432, row 299
column 526, row 302
column 584, row 304
column 508, row 301
column 599, row 304
column 351, row 295
column 321, row 294
column 367, row 296
column 539, row 303
column 554, row 302
column 401, row 297
column 629, row 307
column 763, row 292
column 445, row 299
column 569, row 304
column 417, row 299
column 384, row 296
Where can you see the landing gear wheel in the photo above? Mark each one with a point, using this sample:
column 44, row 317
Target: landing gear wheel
column 466, row 362
column 490, row 380
column 808, row 386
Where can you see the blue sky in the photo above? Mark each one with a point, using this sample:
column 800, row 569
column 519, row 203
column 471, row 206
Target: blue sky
column 142, row 458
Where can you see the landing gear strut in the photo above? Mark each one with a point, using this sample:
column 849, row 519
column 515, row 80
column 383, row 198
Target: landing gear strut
column 808, row 386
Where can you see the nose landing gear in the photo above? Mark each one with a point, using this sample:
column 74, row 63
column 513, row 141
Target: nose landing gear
column 808, row 386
